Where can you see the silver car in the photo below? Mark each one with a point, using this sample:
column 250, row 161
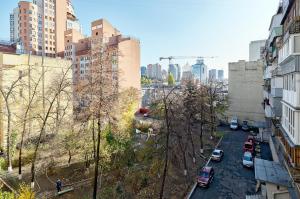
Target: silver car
column 248, row 160
column 217, row 155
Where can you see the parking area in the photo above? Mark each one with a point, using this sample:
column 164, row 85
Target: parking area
column 231, row 179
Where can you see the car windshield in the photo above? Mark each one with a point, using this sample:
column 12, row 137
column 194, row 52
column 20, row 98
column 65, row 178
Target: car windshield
column 233, row 123
column 248, row 158
column 248, row 146
column 216, row 153
column 204, row 174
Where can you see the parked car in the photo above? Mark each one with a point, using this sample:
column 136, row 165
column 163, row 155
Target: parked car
column 234, row 123
column 217, row 155
column 245, row 126
column 205, row 177
column 248, row 160
column 249, row 146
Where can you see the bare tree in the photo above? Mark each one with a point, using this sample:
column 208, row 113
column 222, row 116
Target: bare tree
column 59, row 86
column 97, row 93
column 8, row 94
column 32, row 87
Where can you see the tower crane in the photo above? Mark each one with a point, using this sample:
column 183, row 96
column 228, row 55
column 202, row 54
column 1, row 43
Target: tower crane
column 185, row 57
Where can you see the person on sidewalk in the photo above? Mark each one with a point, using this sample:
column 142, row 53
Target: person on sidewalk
column 58, row 185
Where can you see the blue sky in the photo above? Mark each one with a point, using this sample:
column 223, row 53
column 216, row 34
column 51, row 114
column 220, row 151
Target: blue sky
column 222, row 28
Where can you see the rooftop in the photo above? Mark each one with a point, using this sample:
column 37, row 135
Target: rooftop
column 272, row 172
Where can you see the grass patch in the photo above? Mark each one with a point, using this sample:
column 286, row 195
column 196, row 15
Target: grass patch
column 219, row 134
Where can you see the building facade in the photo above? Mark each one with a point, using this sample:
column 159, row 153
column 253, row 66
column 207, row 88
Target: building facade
column 288, row 60
column 245, row 91
column 154, row 72
column 273, row 80
column 256, row 50
column 212, row 75
column 40, row 25
column 199, row 71
column 30, row 72
column 220, row 75
column 123, row 54
column 143, row 71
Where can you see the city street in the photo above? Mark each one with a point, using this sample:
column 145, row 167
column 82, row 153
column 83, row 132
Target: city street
column 231, row 180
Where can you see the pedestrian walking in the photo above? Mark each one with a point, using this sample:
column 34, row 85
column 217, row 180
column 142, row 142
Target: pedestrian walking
column 58, row 185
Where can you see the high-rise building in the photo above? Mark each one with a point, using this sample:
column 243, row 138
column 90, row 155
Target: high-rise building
column 178, row 77
column 256, row 50
column 154, row 72
column 220, row 75
column 40, row 25
column 199, row 71
column 212, row 74
column 175, row 70
column 143, row 71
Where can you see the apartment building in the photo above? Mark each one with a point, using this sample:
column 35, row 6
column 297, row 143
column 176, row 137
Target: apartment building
column 39, row 25
column 289, row 62
column 256, row 50
column 124, row 52
column 26, row 70
column 273, row 80
column 154, row 71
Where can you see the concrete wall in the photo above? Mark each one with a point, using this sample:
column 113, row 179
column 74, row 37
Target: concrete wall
column 274, row 193
column 129, row 64
column 14, row 65
column 246, row 91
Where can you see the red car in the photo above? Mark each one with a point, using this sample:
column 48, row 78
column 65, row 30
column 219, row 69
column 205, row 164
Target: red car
column 249, row 146
column 205, row 177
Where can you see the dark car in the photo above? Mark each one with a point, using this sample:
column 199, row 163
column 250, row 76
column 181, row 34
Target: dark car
column 205, row 177
column 245, row 126
column 248, row 146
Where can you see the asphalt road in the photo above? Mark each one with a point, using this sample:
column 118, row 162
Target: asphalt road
column 231, row 179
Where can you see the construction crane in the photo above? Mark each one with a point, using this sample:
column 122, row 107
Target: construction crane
column 185, row 57
column 170, row 58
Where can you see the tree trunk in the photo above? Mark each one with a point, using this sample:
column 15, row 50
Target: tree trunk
column 94, row 141
column 161, row 193
column 8, row 137
column 201, row 138
column 192, row 141
column 70, row 157
column 97, row 160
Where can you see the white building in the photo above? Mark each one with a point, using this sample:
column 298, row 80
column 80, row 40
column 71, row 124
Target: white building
column 14, row 25
column 256, row 49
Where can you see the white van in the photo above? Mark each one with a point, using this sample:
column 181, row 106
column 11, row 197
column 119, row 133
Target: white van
column 234, row 125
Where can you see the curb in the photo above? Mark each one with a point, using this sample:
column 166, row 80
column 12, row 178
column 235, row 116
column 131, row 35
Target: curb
column 208, row 161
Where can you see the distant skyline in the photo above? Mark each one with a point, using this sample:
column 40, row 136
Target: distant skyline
column 222, row 28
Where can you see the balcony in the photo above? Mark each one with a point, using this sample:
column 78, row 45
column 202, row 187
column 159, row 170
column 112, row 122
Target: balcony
column 268, row 72
column 291, row 97
column 290, row 47
column 276, row 86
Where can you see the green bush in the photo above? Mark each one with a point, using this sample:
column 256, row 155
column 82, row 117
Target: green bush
column 3, row 164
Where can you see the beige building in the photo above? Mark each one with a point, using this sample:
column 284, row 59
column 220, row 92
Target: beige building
column 39, row 26
column 27, row 71
column 124, row 52
column 245, row 91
